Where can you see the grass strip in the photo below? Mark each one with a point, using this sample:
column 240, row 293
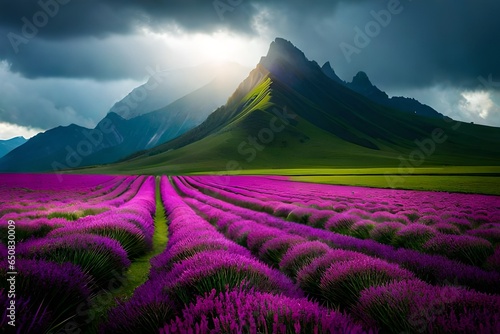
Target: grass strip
column 136, row 274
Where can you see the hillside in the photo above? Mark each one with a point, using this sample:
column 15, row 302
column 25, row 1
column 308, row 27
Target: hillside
column 332, row 126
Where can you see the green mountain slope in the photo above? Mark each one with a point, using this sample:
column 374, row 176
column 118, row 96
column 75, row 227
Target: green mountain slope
column 328, row 126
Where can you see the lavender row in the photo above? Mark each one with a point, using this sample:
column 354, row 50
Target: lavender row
column 198, row 267
column 291, row 254
column 431, row 268
column 374, row 290
column 47, row 294
column 428, row 234
column 131, row 224
column 446, row 213
column 332, row 197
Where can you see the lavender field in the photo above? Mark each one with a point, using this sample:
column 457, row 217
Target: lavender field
column 245, row 255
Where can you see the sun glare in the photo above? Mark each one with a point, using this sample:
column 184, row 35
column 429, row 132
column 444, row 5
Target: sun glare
column 198, row 48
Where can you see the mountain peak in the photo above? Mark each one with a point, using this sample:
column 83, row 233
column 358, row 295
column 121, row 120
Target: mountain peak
column 329, row 72
column 361, row 79
column 283, row 52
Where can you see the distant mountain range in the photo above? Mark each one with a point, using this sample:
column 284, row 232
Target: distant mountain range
column 362, row 85
column 288, row 113
column 8, row 145
column 115, row 137
column 165, row 87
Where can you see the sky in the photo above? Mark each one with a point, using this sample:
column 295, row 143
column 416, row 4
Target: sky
column 69, row 61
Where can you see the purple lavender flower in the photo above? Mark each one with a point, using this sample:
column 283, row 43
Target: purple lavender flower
column 50, row 290
column 491, row 234
column 429, row 220
column 283, row 210
column 341, row 223
column 342, row 282
column 259, row 236
column 464, row 248
column 462, row 223
column 385, row 233
column 218, row 269
column 414, row 306
column 130, row 237
column 412, row 215
column 242, row 311
column 493, row 262
column 309, row 276
column 102, row 257
column 414, row 236
column 362, row 229
column 141, row 315
column 191, row 246
column 273, row 250
column 301, row 255
column 299, row 215
column 447, row 228
column 30, row 318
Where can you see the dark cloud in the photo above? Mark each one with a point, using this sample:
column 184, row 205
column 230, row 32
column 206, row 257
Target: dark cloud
column 47, row 103
column 447, row 42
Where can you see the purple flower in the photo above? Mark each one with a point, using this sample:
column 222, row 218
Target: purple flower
column 260, row 235
column 193, row 245
column 462, row 223
column 273, row 250
column 386, row 232
column 130, row 237
column 299, row 215
column 429, row 220
column 241, row 311
column 301, row 255
column 362, row 229
column 414, row 236
column 414, row 306
column 341, row 223
column 144, row 314
column 30, row 318
column 310, row 275
column 102, row 257
column 464, row 248
column 217, row 269
column 447, row 228
column 493, row 262
column 49, row 289
column 342, row 282
column 490, row 234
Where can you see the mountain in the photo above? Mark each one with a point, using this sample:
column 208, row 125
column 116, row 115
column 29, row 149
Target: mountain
column 165, row 87
column 289, row 114
column 329, row 72
column 115, row 137
column 362, row 85
column 8, row 145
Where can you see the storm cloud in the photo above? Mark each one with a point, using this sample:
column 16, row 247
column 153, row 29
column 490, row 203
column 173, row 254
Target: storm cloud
column 421, row 46
column 451, row 42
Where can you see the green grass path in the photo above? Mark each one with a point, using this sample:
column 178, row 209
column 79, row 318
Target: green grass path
column 138, row 271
